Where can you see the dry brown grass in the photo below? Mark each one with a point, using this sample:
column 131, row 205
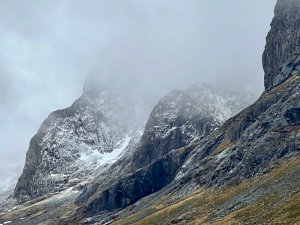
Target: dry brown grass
column 196, row 208
column 223, row 146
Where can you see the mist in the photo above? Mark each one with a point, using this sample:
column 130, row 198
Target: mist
column 48, row 48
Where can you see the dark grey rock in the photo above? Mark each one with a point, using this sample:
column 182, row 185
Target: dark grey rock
column 70, row 144
column 283, row 43
column 260, row 138
column 178, row 119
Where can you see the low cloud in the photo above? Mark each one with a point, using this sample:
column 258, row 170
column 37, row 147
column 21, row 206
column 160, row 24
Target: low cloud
column 48, row 48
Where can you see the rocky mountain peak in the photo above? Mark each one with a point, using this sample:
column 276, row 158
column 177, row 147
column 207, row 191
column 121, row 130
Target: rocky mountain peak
column 246, row 171
column 280, row 58
column 184, row 115
column 180, row 118
column 74, row 143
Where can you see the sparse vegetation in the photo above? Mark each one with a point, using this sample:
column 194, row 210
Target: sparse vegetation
column 223, row 146
column 201, row 207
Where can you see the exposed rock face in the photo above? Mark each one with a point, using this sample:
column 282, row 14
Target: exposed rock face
column 74, row 143
column 244, row 151
column 178, row 119
column 180, row 152
column 251, row 143
column 183, row 116
column 260, row 138
column 130, row 188
column 281, row 55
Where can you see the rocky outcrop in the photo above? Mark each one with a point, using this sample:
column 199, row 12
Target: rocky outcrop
column 251, row 160
column 174, row 122
column 183, row 116
column 260, row 138
column 249, row 145
column 180, row 118
column 75, row 143
column 237, row 162
column 281, row 55
column 132, row 187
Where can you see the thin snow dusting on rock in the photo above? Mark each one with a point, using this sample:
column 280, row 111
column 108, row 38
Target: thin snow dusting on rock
column 103, row 158
column 76, row 144
column 73, row 143
column 219, row 102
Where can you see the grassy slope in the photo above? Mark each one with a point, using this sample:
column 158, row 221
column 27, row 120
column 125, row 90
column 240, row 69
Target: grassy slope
column 45, row 212
column 271, row 199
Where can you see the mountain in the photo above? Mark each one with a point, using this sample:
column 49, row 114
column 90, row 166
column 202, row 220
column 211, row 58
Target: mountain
column 245, row 172
column 281, row 55
column 100, row 140
column 183, row 116
column 75, row 143
column 179, row 118
column 192, row 163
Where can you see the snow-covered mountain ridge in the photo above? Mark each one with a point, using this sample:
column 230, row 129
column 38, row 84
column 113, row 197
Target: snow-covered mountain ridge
column 185, row 169
column 76, row 144
column 179, row 118
column 73, row 143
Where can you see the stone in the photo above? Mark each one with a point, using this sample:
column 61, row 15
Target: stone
column 283, row 43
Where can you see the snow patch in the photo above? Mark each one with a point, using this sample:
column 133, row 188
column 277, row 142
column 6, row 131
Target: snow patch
column 115, row 154
column 58, row 175
column 169, row 132
column 102, row 158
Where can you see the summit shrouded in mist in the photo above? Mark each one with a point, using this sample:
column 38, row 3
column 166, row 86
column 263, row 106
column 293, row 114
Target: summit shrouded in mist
column 150, row 47
column 144, row 143
column 76, row 144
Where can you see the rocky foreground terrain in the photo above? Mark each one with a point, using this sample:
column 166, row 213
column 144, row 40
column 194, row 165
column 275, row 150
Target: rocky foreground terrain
column 190, row 164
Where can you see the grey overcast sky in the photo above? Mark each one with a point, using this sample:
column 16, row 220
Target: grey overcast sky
column 48, row 47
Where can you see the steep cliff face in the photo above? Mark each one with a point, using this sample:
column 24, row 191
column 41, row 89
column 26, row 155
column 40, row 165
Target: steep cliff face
column 183, row 116
column 266, row 134
column 180, row 118
column 250, row 144
column 188, row 168
column 281, row 55
column 260, row 139
column 74, row 143
column 246, row 171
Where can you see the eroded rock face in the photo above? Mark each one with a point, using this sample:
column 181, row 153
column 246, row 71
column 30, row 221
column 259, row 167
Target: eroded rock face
column 258, row 139
column 252, row 143
column 178, row 119
column 74, row 143
column 261, row 137
column 281, row 55
column 128, row 189
column 182, row 116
